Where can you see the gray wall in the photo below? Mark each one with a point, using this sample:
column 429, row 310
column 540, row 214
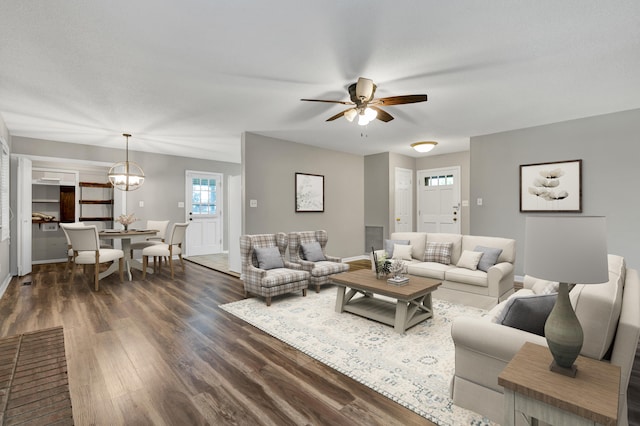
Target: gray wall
column 376, row 197
column 269, row 167
column 461, row 159
column 164, row 184
column 609, row 146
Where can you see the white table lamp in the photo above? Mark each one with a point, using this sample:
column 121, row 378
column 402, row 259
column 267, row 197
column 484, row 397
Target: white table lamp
column 570, row 250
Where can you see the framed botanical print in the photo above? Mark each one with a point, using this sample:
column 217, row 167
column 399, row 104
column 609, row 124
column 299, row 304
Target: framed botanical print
column 309, row 193
column 551, row 187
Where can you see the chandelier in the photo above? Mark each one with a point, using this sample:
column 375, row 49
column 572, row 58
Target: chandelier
column 126, row 175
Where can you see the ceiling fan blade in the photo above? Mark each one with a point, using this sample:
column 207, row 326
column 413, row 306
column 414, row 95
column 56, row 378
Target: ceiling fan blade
column 331, row 102
column 338, row 115
column 399, row 100
column 382, row 115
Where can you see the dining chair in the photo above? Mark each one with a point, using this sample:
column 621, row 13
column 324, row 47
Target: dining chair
column 172, row 247
column 161, row 226
column 69, row 248
column 85, row 245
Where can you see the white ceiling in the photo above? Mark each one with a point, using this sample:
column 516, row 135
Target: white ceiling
column 188, row 77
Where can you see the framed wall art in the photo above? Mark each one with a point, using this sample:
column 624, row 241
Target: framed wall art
column 309, row 193
column 551, row 187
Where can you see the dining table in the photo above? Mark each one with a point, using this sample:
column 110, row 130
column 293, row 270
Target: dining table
column 125, row 236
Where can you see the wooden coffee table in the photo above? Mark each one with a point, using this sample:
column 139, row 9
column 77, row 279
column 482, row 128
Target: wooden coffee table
column 412, row 301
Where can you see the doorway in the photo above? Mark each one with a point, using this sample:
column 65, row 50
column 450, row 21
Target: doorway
column 204, row 196
column 403, row 200
column 439, row 200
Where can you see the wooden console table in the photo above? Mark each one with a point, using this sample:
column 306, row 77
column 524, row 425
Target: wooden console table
column 530, row 388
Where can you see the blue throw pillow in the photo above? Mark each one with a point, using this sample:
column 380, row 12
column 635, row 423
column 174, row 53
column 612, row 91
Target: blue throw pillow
column 489, row 257
column 388, row 246
column 312, row 252
column 269, row 257
column 528, row 313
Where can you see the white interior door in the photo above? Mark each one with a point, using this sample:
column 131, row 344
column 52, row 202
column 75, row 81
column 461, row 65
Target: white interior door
column 24, row 216
column 439, row 200
column 204, row 197
column 404, row 200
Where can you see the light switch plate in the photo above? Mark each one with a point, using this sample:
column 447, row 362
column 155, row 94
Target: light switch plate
column 141, row 203
column 180, row 204
column 253, row 203
column 479, row 201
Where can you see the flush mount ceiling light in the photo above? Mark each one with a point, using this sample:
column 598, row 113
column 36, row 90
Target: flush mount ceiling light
column 424, row 146
column 126, row 175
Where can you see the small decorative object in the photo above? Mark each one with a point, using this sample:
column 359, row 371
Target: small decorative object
column 381, row 264
column 397, row 268
column 126, row 220
column 551, row 187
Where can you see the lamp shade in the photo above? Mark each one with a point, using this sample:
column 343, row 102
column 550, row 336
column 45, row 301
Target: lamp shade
column 569, row 249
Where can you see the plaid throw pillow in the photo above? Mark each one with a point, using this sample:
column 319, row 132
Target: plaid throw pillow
column 438, row 252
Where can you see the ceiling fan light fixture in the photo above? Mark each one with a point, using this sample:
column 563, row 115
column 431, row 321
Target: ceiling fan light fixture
column 363, row 120
column 370, row 113
column 350, row 114
column 424, row 146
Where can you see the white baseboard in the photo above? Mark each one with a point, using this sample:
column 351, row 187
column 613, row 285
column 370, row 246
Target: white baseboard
column 42, row 262
column 354, row 258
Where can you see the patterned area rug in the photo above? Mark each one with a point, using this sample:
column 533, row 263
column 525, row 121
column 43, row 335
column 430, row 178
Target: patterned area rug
column 413, row 369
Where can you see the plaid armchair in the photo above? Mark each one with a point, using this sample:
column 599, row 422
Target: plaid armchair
column 321, row 270
column 269, row 282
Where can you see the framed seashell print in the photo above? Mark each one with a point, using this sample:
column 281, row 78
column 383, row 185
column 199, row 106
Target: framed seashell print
column 551, row 187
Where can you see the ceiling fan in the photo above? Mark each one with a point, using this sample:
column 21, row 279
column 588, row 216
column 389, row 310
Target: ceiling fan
column 365, row 106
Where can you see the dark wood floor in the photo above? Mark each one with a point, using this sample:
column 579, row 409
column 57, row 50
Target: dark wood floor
column 161, row 352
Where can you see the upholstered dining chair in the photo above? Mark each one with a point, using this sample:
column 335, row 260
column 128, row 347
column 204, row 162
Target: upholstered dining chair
column 85, row 244
column 103, row 245
column 161, row 226
column 265, row 272
column 69, row 248
column 308, row 249
column 172, row 247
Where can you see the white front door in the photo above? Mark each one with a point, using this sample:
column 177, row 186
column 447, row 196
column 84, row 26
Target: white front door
column 439, row 200
column 204, row 213
column 24, row 215
column 404, row 200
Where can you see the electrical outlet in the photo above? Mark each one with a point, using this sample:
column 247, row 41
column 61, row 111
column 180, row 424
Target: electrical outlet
column 141, row 204
column 479, row 201
column 253, row 203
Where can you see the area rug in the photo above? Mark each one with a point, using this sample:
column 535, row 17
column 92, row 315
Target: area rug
column 414, row 369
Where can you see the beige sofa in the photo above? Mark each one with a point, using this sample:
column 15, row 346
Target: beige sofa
column 610, row 319
column 474, row 287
